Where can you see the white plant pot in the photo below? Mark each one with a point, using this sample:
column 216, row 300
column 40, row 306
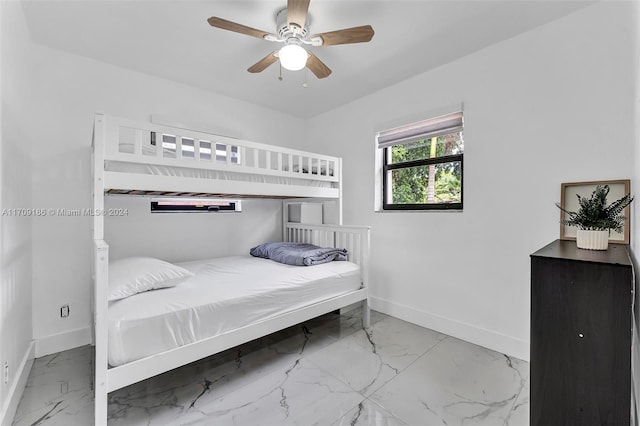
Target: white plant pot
column 592, row 240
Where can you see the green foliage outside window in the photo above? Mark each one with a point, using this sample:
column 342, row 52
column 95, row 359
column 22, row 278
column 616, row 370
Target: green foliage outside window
column 428, row 184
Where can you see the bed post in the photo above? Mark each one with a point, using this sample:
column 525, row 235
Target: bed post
column 285, row 219
column 366, row 253
column 98, row 145
column 340, row 191
column 101, row 278
column 100, row 269
column 366, row 313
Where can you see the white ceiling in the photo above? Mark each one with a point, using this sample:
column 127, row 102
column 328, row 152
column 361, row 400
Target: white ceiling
column 172, row 39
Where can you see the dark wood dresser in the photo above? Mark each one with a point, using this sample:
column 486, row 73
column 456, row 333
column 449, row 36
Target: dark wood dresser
column 581, row 328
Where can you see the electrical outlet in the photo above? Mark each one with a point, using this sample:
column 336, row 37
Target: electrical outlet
column 64, row 311
column 5, row 369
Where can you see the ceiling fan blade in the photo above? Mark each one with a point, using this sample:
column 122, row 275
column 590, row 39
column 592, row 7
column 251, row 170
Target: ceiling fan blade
column 263, row 63
column 346, row 36
column 214, row 21
column 317, row 66
column 297, row 12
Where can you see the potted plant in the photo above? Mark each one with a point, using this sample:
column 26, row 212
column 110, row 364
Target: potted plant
column 595, row 219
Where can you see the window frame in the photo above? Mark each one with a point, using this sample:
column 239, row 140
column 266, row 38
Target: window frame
column 194, row 205
column 388, row 167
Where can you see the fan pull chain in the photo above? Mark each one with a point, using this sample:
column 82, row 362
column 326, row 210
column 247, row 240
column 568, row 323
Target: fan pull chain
column 305, row 84
column 280, row 76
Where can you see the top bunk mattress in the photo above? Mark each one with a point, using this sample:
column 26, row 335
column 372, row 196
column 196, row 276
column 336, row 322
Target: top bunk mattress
column 224, row 294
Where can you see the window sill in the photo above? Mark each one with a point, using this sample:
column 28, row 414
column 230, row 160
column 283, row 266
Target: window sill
column 419, row 211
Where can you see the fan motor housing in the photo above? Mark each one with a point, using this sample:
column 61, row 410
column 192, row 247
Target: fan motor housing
column 285, row 32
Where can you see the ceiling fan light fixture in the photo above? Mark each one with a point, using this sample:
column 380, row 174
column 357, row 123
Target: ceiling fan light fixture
column 293, row 57
column 292, row 29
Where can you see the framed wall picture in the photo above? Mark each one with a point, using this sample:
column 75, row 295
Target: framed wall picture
column 569, row 201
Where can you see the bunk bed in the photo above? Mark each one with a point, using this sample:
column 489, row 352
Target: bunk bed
column 147, row 159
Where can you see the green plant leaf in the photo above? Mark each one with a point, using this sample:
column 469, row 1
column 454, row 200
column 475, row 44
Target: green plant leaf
column 594, row 213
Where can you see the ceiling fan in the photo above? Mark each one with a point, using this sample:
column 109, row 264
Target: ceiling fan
column 293, row 32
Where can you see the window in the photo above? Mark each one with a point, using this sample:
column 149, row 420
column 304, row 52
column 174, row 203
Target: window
column 422, row 164
column 191, row 205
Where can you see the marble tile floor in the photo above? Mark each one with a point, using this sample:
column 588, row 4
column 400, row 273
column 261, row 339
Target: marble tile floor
column 327, row 371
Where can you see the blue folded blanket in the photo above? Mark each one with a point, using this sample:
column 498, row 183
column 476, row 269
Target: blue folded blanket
column 298, row 254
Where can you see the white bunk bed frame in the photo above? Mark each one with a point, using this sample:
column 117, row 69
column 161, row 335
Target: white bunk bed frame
column 356, row 239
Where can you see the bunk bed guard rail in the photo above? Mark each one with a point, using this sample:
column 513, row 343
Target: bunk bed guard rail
column 356, row 239
column 133, row 155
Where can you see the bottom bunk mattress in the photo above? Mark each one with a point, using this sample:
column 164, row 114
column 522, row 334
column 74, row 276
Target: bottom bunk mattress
column 224, row 294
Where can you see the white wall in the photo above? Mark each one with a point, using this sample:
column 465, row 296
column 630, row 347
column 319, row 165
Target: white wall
column 635, row 217
column 66, row 90
column 177, row 237
column 549, row 106
column 15, row 234
column 635, row 183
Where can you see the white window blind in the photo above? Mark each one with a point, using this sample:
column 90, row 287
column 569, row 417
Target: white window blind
column 444, row 124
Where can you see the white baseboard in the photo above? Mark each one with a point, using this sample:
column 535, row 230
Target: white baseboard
column 17, row 388
column 502, row 343
column 62, row 341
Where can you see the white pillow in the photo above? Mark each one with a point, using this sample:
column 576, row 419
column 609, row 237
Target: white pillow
column 133, row 275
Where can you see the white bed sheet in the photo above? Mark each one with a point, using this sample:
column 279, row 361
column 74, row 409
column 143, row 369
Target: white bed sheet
column 225, row 293
column 160, row 170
